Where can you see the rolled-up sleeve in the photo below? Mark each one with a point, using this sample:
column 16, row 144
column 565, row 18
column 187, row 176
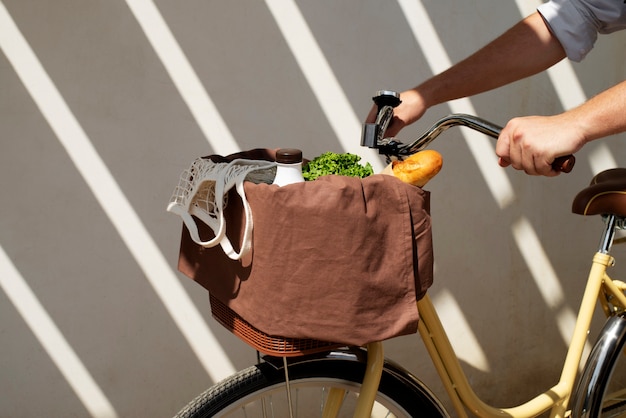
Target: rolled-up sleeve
column 576, row 23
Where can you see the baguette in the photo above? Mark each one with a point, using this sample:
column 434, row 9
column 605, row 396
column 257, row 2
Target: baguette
column 417, row 169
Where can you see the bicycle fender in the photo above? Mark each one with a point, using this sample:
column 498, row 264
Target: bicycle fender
column 604, row 353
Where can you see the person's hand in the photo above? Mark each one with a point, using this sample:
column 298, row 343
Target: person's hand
column 533, row 143
column 411, row 109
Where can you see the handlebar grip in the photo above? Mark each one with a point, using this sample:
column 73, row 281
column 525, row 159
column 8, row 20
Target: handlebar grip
column 564, row 164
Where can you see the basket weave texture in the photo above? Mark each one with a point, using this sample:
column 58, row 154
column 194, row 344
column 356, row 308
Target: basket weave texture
column 262, row 342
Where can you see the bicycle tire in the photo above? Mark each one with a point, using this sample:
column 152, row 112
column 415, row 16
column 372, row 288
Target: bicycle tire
column 602, row 386
column 261, row 390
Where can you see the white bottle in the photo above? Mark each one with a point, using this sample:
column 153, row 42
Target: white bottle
column 288, row 166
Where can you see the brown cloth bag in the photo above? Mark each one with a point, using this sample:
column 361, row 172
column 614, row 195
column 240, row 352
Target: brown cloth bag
column 337, row 259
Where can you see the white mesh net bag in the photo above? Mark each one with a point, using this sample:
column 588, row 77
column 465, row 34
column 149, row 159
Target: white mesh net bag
column 202, row 191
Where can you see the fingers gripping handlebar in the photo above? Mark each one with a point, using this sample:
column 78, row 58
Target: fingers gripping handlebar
column 373, row 133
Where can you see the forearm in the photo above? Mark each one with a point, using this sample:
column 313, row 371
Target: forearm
column 525, row 49
column 602, row 115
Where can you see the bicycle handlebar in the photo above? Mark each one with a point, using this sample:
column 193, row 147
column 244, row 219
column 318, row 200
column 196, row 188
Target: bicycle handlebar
column 373, row 133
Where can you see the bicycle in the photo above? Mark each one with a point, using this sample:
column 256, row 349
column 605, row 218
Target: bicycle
column 332, row 381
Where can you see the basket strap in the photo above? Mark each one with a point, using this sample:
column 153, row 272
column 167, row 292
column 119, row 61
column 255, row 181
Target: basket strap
column 223, row 177
column 246, row 242
column 190, row 223
column 234, row 176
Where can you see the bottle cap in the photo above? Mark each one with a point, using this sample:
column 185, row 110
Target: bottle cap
column 288, row 156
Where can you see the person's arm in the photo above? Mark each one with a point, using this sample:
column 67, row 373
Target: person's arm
column 532, row 143
column 526, row 49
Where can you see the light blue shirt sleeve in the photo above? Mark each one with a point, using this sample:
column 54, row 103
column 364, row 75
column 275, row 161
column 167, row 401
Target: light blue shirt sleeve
column 576, row 23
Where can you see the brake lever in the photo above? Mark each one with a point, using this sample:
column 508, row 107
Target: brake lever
column 372, row 135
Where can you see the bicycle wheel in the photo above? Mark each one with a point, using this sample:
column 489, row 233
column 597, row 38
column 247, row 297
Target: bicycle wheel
column 260, row 391
column 614, row 398
column 602, row 390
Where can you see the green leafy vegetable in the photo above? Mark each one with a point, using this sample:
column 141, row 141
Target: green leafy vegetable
column 338, row 164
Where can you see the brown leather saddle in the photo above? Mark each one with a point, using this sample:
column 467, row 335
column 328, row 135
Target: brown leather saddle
column 606, row 195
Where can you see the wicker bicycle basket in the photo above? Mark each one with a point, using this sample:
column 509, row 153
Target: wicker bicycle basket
column 333, row 262
column 262, row 342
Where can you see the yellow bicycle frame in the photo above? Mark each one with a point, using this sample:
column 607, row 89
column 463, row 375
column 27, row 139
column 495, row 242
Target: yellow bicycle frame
column 455, row 381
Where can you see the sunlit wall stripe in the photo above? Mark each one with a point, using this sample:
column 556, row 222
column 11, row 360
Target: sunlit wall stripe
column 49, row 335
column 321, row 79
column 113, row 201
column 184, row 77
column 459, row 332
column 544, row 275
column 481, row 147
column 601, row 158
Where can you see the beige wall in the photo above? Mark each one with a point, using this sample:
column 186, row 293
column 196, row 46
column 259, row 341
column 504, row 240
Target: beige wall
column 89, row 253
